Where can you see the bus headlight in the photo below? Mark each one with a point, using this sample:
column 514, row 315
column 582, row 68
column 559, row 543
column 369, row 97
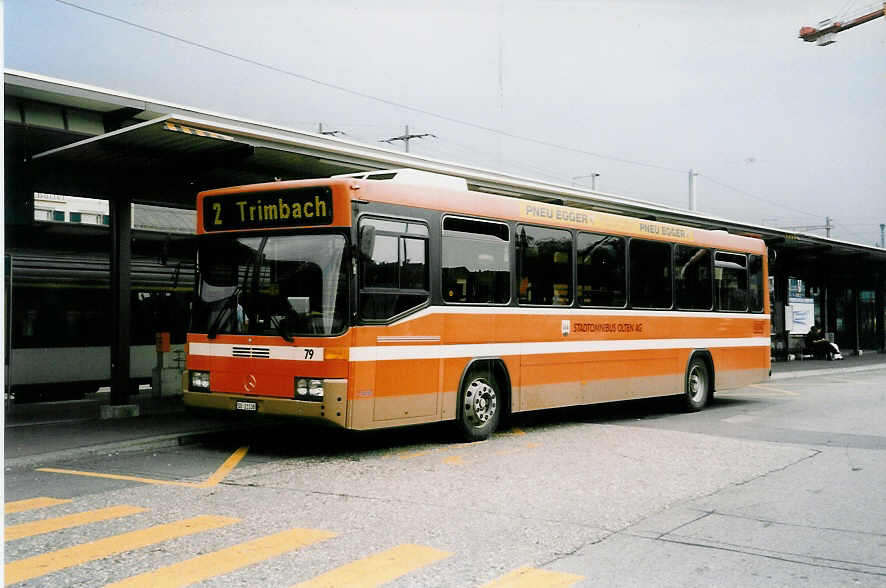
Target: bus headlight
column 199, row 381
column 308, row 389
column 315, row 389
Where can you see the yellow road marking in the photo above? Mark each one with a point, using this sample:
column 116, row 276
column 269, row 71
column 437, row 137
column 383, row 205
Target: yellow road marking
column 379, row 568
column 225, row 468
column 531, row 577
column 117, row 477
column 33, row 503
column 777, row 390
column 454, row 460
column 66, row 522
column 212, row 480
column 509, row 451
column 513, row 432
column 424, row 452
column 225, row 560
column 416, row 454
column 46, row 563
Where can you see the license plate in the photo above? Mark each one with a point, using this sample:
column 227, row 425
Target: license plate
column 245, row 405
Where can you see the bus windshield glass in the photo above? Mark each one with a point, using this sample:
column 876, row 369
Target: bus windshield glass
column 280, row 285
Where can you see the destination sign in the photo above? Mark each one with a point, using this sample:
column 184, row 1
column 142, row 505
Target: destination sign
column 266, row 210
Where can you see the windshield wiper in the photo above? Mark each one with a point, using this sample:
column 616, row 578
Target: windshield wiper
column 251, row 292
column 281, row 328
column 227, row 306
column 252, row 263
column 216, row 324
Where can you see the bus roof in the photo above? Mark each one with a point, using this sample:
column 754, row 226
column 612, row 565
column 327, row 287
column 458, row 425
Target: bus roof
column 495, row 206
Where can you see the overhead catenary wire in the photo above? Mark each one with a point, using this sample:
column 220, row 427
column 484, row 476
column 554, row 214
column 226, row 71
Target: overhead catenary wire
column 760, row 198
column 843, row 229
column 473, row 151
column 393, row 103
column 847, row 6
column 367, row 96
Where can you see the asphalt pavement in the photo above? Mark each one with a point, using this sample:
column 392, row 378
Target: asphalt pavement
column 46, row 432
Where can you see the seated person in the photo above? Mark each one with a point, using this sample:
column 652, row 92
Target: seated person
column 820, row 346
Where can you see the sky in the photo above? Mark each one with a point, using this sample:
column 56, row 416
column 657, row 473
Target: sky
column 782, row 132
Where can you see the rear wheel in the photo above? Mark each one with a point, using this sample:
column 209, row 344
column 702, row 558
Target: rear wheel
column 479, row 407
column 698, row 385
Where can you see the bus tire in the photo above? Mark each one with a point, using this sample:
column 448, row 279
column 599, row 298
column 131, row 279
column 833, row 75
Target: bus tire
column 480, row 404
column 697, row 390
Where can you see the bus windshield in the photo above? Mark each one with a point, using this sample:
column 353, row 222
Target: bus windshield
column 282, row 285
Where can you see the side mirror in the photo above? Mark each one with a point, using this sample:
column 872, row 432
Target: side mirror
column 367, row 241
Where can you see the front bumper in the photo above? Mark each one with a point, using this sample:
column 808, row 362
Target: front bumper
column 332, row 410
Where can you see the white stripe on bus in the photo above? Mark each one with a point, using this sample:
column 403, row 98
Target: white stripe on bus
column 418, row 351
column 398, row 352
column 569, row 312
column 274, row 351
column 407, row 339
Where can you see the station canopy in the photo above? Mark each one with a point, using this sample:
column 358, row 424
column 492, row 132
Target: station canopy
column 167, row 160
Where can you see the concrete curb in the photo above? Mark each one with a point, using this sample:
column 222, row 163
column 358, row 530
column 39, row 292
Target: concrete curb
column 124, row 446
column 826, row 371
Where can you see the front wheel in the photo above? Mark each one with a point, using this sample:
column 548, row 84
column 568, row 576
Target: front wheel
column 698, row 385
column 479, row 407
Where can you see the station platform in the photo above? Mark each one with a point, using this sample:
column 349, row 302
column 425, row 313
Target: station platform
column 812, row 367
column 45, row 432
column 39, row 432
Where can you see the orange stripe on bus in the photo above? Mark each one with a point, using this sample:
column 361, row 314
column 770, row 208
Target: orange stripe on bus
column 390, row 378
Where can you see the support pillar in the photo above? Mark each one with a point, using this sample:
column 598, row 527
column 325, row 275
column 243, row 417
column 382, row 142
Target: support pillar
column 880, row 306
column 824, row 300
column 782, row 284
column 121, row 311
column 856, row 327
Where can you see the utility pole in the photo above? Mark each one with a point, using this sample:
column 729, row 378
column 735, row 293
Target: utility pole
column 405, row 138
column 827, row 226
column 693, row 204
column 882, row 229
column 592, row 175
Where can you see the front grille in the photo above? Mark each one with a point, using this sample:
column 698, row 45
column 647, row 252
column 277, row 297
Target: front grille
column 245, row 351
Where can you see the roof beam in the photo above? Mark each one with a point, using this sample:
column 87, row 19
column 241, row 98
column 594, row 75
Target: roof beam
column 113, row 119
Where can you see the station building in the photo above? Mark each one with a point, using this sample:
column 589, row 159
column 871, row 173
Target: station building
column 143, row 161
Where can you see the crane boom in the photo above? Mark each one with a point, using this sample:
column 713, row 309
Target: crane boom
column 824, row 33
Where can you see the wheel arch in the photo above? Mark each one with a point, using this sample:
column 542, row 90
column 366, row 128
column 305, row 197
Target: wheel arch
column 704, row 355
column 499, row 371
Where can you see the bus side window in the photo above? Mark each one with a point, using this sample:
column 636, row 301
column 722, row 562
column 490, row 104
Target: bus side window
column 381, row 270
column 731, row 281
column 692, row 276
column 475, row 267
column 650, row 263
column 756, row 289
column 413, row 265
column 601, row 270
column 544, row 258
column 394, row 278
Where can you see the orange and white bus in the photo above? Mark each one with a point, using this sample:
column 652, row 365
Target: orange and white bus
column 366, row 302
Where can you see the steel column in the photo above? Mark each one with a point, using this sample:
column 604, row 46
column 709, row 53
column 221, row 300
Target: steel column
column 121, row 256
